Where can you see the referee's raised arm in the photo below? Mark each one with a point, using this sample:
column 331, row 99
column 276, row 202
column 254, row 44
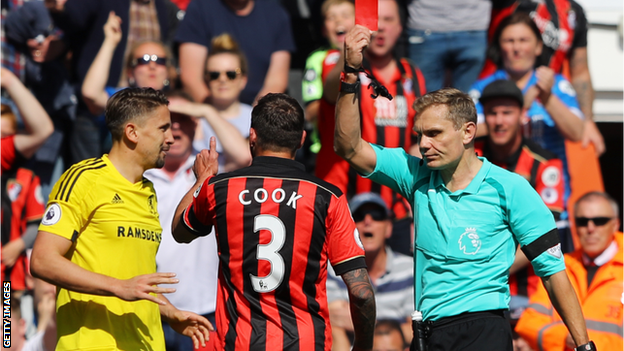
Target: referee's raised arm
column 348, row 142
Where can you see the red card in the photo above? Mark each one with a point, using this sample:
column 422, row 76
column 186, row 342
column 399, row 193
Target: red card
column 366, row 13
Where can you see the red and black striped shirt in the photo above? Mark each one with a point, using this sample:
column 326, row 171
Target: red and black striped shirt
column 276, row 228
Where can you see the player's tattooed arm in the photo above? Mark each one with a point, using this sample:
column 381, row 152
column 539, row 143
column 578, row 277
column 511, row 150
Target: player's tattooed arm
column 362, row 306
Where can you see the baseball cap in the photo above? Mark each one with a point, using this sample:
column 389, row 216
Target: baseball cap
column 368, row 198
column 502, row 88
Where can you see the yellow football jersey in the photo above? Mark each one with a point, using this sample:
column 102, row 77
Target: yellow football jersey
column 115, row 230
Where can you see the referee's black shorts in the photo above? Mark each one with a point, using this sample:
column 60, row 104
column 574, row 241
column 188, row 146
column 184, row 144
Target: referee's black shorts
column 478, row 331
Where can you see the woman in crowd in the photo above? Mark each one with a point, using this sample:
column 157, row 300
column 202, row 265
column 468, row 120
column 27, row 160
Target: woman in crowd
column 147, row 65
column 552, row 111
column 226, row 77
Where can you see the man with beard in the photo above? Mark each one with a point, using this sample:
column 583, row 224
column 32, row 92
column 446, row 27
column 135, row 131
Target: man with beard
column 99, row 236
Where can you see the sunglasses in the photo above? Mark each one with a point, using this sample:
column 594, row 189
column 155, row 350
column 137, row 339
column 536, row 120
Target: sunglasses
column 231, row 75
column 146, row 59
column 598, row 221
column 378, row 214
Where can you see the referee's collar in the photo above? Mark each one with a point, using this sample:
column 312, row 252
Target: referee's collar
column 277, row 161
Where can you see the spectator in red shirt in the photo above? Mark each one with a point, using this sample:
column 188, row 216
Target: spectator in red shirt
column 36, row 120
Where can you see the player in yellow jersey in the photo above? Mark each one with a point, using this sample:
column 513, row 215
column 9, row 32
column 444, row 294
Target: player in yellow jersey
column 100, row 233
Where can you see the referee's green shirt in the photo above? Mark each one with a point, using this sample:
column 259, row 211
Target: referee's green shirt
column 466, row 241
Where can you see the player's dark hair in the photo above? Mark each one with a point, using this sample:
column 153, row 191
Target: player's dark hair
column 461, row 108
column 278, row 120
column 387, row 326
column 494, row 50
column 131, row 104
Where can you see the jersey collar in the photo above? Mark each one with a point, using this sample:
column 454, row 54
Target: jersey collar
column 276, row 161
column 472, row 188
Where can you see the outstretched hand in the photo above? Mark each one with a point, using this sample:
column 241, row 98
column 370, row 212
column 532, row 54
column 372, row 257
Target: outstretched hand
column 192, row 325
column 207, row 162
column 356, row 40
column 142, row 287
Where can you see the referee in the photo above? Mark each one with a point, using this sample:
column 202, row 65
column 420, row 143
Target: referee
column 276, row 227
column 469, row 215
column 99, row 236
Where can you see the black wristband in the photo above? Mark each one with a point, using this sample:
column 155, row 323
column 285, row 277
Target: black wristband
column 349, row 88
column 349, row 69
column 590, row 346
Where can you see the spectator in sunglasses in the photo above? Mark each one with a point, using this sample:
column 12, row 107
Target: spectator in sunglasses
column 148, row 66
column 226, row 77
column 390, row 272
column 595, row 270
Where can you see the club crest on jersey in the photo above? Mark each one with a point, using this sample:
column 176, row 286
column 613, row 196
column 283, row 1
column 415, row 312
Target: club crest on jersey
column 13, row 189
column 151, row 203
column 469, row 241
column 551, row 176
column 52, row 215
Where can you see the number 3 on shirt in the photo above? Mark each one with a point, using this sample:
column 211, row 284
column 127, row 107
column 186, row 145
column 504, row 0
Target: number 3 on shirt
column 269, row 253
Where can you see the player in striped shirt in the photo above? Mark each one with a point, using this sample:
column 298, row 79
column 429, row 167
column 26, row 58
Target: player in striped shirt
column 276, row 229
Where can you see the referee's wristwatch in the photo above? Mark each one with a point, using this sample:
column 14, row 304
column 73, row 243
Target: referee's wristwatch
column 590, row 346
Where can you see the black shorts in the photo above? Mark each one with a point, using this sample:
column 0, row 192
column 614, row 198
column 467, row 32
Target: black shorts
column 488, row 330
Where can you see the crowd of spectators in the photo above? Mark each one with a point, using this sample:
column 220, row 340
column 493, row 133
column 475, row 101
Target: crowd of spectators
column 523, row 62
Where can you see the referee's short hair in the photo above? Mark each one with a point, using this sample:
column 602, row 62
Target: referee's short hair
column 278, row 120
column 131, row 104
column 461, row 108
